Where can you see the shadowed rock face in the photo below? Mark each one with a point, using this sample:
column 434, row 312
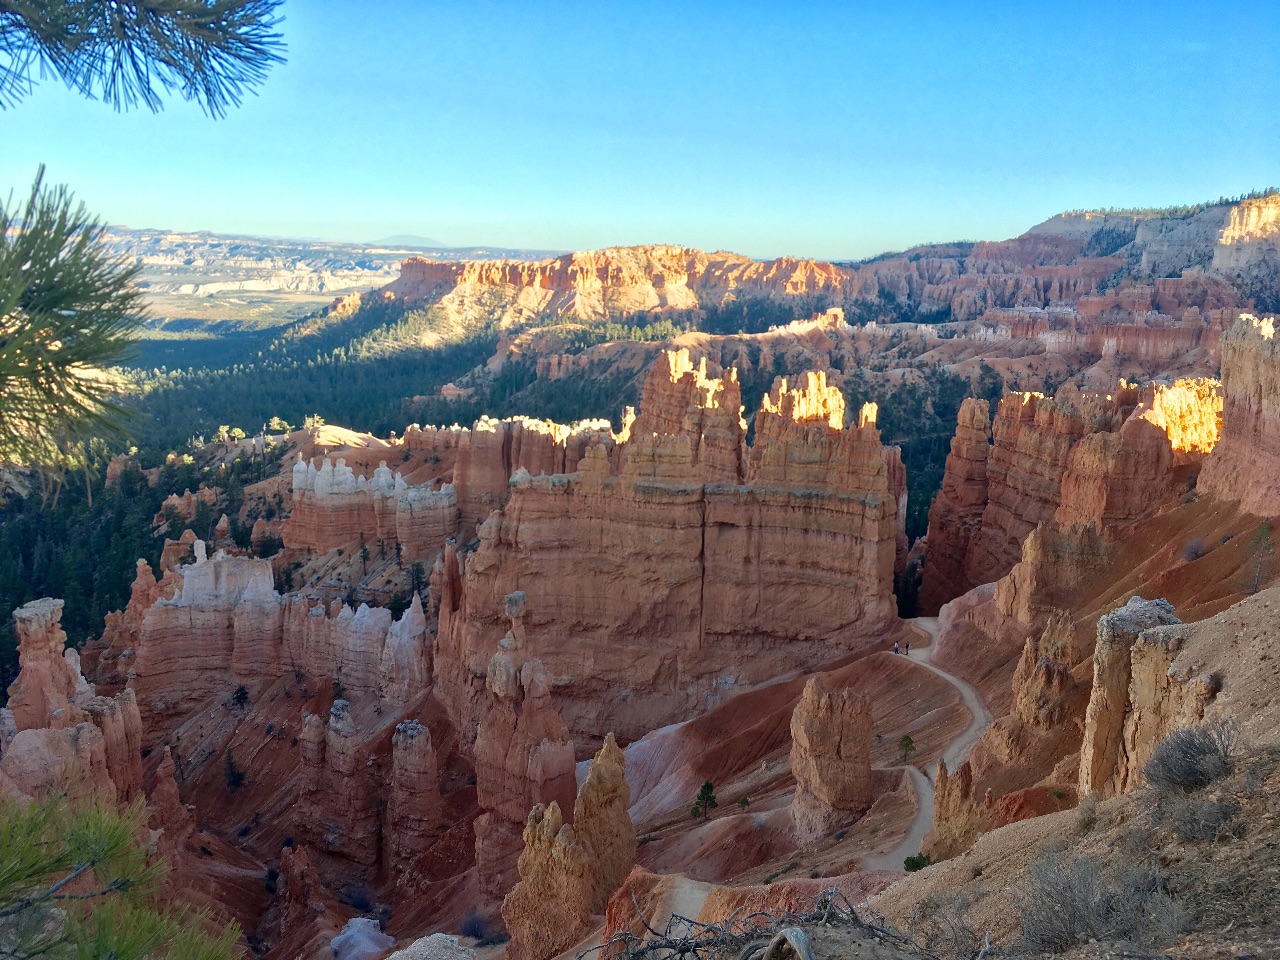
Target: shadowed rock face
column 831, row 760
column 682, row 563
column 211, row 625
column 955, row 516
column 524, row 755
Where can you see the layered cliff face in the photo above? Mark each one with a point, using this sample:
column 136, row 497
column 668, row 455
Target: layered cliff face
column 831, row 760
column 415, row 809
column 334, row 506
column 1105, row 766
column 225, row 625
column 1245, row 466
column 1238, row 241
column 955, row 515
column 1042, row 680
column 49, row 677
column 337, row 807
column 616, row 281
column 682, row 563
column 1052, row 264
column 1028, row 271
column 568, row 873
column 1080, row 460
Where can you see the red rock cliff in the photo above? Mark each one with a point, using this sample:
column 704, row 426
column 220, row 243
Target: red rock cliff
column 1245, row 466
column 682, row 563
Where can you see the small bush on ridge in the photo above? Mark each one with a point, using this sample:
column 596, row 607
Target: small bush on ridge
column 1193, row 757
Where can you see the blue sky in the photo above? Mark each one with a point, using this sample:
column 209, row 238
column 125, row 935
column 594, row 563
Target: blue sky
column 830, row 130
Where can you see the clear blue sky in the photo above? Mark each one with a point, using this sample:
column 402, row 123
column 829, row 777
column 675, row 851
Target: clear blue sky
column 816, row 129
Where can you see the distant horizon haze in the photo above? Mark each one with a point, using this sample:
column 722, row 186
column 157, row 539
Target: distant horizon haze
column 832, row 131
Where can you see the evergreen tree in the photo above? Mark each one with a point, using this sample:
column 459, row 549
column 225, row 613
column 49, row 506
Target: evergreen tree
column 209, row 51
column 75, row 883
column 705, row 801
column 68, row 310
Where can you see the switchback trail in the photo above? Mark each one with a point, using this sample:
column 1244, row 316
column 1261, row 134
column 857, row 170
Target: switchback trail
column 954, row 754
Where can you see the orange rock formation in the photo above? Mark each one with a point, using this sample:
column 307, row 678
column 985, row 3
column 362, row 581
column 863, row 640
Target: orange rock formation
column 568, row 873
column 1105, row 762
column 955, row 515
column 831, row 760
column 56, row 736
column 1071, row 461
column 523, row 754
column 683, row 562
column 1245, row 466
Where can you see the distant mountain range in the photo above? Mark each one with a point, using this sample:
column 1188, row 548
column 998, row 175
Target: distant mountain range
column 413, row 240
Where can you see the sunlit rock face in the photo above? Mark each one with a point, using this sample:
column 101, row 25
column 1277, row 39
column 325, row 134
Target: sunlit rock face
column 1028, row 271
column 681, row 563
column 568, row 873
column 1081, row 459
column 1245, row 466
column 334, row 506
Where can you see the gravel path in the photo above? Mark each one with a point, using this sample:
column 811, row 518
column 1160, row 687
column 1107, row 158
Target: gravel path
column 954, row 755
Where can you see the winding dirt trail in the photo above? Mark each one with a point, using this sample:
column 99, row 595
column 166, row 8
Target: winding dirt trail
column 954, row 755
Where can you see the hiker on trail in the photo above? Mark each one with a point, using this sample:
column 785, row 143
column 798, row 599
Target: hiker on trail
column 895, row 646
column 908, row 648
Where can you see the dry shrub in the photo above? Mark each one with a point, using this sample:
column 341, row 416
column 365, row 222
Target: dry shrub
column 940, row 924
column 1197, row 819
column 1071, row 901
column 1087, row 813
column 1193, row 757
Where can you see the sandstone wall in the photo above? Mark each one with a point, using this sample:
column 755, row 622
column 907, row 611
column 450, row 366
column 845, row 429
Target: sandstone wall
column 568, row 873
column 955, row 516
column 681, row 564
column 1245, row 465
column 1105, row 764
column 56, row 735
column 1027, row 271
column 224, row 625
column 334, row 506
column 1102, row 461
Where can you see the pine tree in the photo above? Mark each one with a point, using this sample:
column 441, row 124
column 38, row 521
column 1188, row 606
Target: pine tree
column 705, row 801
column 906, row 747
column 209, row 51
column 75, row 883
column 68, row 311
